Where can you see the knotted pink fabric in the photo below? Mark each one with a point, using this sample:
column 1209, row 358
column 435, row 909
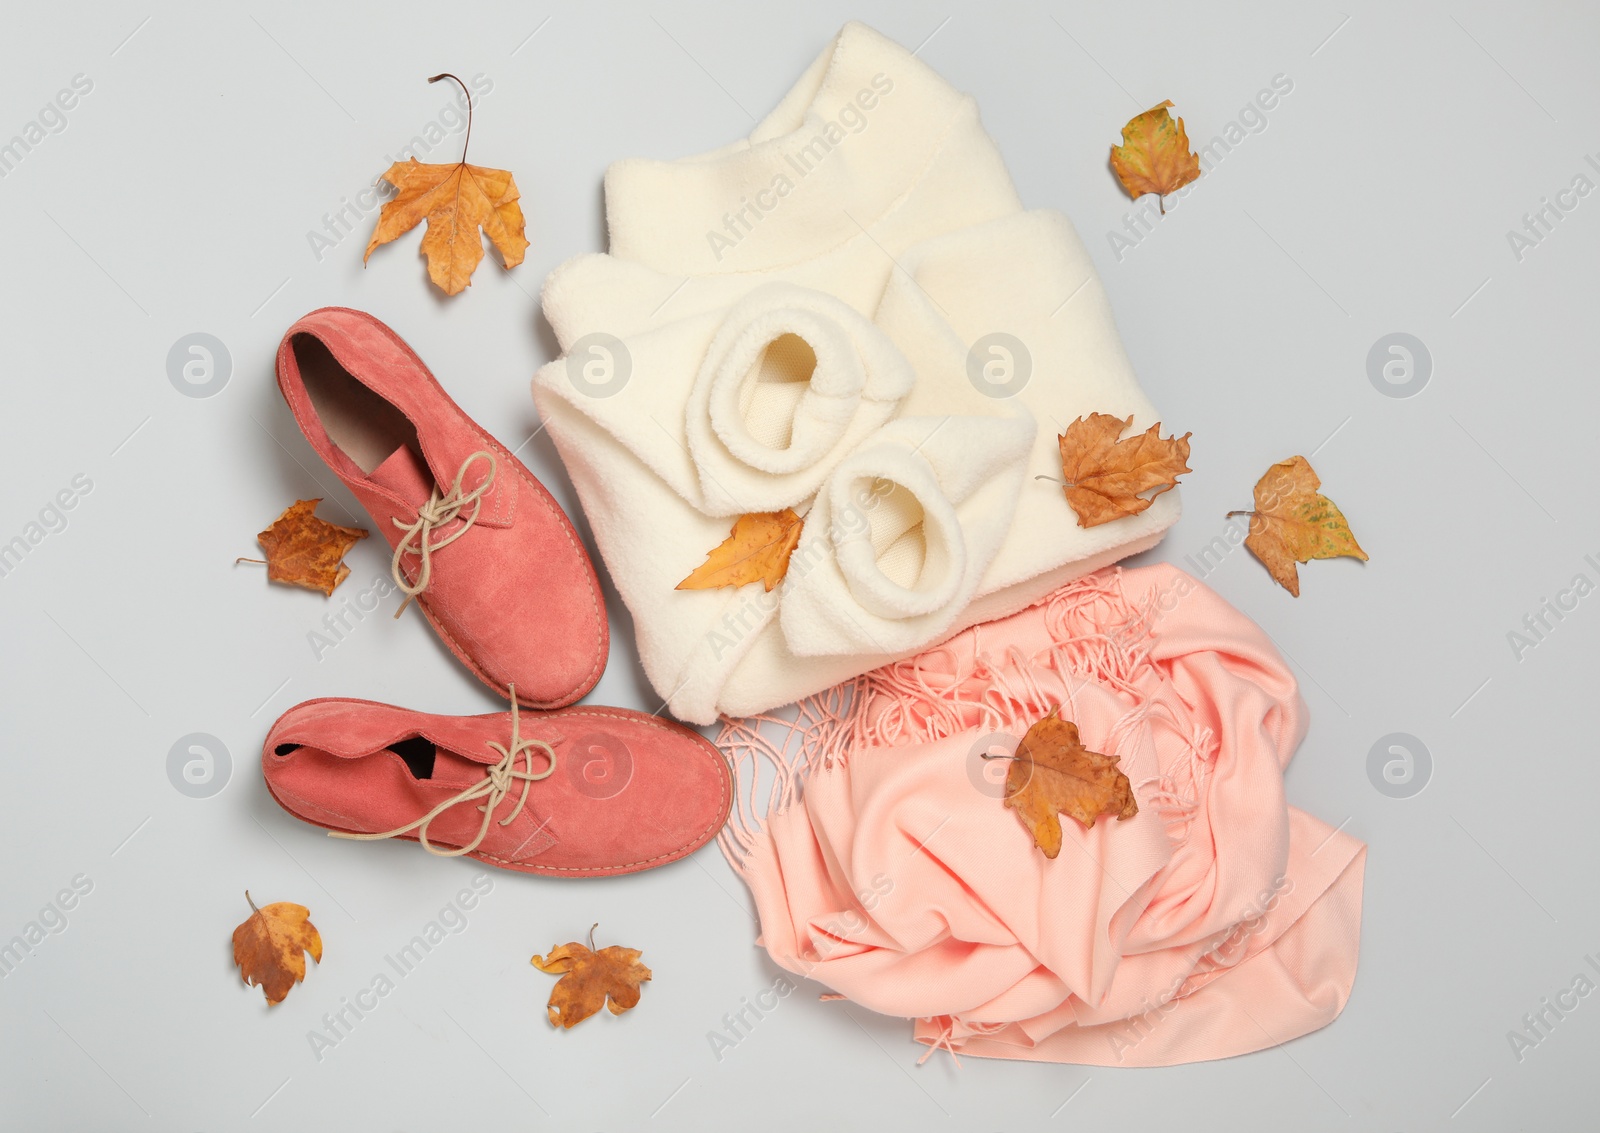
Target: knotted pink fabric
column 1217, row 921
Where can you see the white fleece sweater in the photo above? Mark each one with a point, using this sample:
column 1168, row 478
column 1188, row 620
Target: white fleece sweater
column 802, row 319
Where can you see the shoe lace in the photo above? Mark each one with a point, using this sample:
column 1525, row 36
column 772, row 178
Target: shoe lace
column 496, row 784
column 436, row 513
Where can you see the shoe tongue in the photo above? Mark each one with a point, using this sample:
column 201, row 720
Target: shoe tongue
column 404, row 473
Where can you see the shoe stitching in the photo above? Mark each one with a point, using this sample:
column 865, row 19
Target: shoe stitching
column 541, row 493
column 703, row 837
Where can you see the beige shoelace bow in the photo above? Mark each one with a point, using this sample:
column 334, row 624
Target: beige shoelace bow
column 494, row 788
column 437, row 512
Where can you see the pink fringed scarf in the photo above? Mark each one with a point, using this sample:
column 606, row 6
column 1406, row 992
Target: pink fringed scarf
column 1219, row 920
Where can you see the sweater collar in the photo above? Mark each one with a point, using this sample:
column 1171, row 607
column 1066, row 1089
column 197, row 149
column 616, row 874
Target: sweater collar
column 840, row 149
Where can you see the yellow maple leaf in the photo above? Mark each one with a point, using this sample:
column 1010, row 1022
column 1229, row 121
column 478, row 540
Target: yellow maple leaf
column 757, row 550
column 457, row 201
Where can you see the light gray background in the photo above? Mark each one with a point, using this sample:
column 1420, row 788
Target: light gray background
column 178, row 199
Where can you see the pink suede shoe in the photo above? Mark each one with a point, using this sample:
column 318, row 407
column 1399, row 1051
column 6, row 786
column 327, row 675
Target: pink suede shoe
column 575, row 792
column 478, row 542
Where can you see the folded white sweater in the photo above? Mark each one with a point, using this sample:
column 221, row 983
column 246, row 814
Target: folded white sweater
column 803, row 320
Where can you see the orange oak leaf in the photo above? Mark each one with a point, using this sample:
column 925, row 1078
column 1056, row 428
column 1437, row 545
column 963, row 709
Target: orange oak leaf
column 590, row 979
column 1106, row 476
column 1052, row 773
column 457, row 201
column 303, row 550
column 757, row 550
column 270, row 947
column 1294, row 523
column 1154, row 156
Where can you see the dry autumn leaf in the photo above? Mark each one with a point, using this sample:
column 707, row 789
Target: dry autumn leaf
column 270, row 947
column 1052, row 773
column 590, row 979
column 456, row 200
column 1154, row 156
column 1294, row 523
column 303, row 550
column 1106, row 475
column 757, row 550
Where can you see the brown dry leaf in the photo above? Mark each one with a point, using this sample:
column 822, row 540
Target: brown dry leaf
column 303, row 550
column 270, row 947
column 589, row 979
column 1294, row 523
column 1154, row 156
column 456, row 200
column 1106, row 475
column 757, row 550
column 1052, row 773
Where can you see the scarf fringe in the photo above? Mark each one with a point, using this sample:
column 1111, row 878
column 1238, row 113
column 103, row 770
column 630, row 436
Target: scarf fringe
column 1096, row 636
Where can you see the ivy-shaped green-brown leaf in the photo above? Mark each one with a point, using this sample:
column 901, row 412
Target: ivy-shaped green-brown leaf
column 1294, row 523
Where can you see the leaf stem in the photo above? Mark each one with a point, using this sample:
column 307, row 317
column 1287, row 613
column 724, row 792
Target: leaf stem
column 247, row 897
column 468, row 95
column 591, row 934
column 1231, row 514
column 242, row 559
